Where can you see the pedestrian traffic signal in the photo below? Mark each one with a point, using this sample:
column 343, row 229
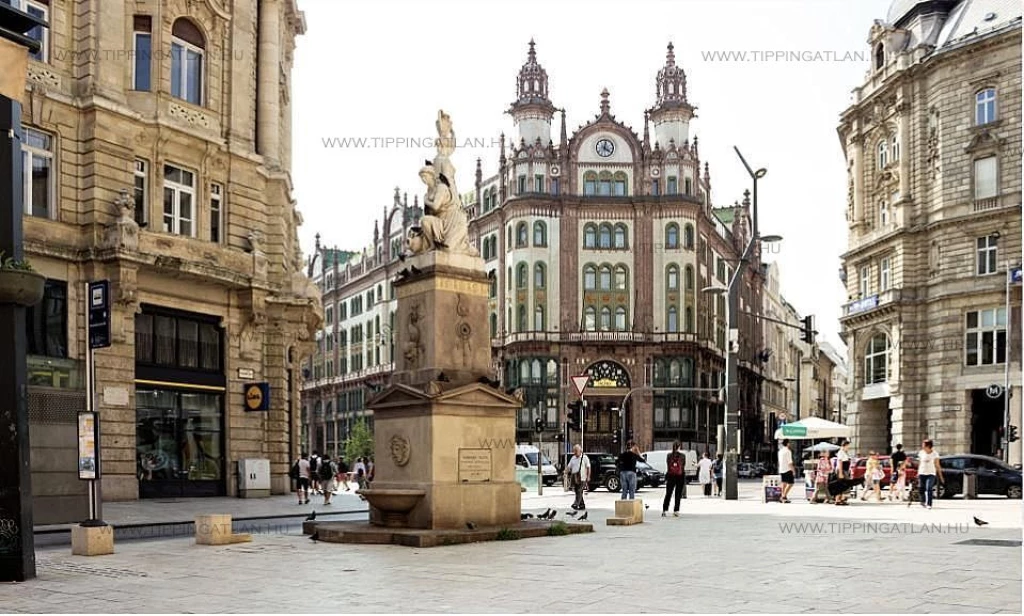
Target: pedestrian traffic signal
column 807, row 334
column 575, row 417
column 1013, row 434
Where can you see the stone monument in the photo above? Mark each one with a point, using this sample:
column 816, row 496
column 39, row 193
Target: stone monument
column 444, row 437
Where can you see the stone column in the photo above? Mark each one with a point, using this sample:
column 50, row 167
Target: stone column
column 857, row 156
column 903, row 130
column 268, row 105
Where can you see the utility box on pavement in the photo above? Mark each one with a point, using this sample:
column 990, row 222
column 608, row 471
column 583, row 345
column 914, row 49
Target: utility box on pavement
column 970, row 485
column 253, row 478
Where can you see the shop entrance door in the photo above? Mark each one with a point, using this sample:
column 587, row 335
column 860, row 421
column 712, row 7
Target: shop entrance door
column 179, row 443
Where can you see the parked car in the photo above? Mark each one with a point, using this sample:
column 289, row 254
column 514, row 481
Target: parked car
column 860, row 465
column 748, row 470
column 527, row 457
column 993, row 476
column 647, row 476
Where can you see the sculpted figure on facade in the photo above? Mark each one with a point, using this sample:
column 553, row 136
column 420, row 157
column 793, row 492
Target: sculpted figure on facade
column 444, row 225
column 124, row 233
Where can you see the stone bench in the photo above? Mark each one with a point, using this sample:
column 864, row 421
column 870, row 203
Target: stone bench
column 216, row 530
column 627, row 513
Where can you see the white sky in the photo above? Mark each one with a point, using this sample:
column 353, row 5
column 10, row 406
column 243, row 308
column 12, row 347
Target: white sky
column 383, row 69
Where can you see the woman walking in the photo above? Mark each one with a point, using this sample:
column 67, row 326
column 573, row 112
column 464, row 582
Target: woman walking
column 716, row 472
column 821, row 477
column 675, row 479
column 843, row 482
column 928, row 470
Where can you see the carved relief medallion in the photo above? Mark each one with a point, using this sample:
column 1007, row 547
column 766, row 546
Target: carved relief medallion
column 400, row 450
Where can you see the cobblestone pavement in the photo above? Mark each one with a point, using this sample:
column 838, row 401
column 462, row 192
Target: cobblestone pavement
column 739, row 556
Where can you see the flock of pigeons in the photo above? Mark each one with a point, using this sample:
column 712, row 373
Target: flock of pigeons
column 550, row 514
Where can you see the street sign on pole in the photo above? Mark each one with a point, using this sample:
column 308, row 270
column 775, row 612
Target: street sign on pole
column 580, row 383
column 99, row 314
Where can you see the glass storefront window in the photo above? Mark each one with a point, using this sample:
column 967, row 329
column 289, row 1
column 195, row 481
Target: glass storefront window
column 179, row 443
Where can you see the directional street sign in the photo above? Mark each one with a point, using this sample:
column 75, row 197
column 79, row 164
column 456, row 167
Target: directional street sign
column 580, row 383
column 789, row 430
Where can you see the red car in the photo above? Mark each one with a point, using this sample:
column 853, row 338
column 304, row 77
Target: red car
column 860, row 465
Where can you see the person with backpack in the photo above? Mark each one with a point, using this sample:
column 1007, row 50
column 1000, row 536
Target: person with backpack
column 325, row 473
column 717, row 468
column 342, row 477
column 314, row 472
column 675, row 478
column 300, row 473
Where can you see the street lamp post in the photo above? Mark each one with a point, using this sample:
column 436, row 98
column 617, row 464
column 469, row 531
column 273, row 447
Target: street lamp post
column 732, row 343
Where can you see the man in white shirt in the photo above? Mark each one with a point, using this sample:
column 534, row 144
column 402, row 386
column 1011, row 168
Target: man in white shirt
column 928, row 469
column 786, row 469
column 704, row 473
column 578, row 472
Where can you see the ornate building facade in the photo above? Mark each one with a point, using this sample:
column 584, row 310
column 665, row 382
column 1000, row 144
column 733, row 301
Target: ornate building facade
column 598, row 245
column 157, row 151
column 932, row 142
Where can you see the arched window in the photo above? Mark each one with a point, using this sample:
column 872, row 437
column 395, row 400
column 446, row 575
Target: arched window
column 673, row 277
column 688, row 237
column 188, row 50
column 604, row 184
column 606, row 278
column 673, row 372
column 620, row 181
column 688, row 186
column 673, row 319
column 509, row 279
column 494, row 325
column 524, row 372
column 605, row 236
column 621, row 278
column 620, row 318
column 879, row 56
column 659, row 372
column 589, row 183
column 590, row 319
column 606, row 318
column 590, row 236
column 538, row 319
column 672, row 236
column 522, row 318
column 883, row 154
column 689, row 278
column 522, row 238
column 876, row 360
column 620, row 237
column 552, row 372
column 689, row 320
column 589, row 278
column 985, row 106
column 521, row 276
column 540, row 234
column 539, row 276
column 894, row 148
column 535, row 371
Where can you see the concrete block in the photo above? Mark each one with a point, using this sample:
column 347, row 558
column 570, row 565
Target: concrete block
column 215, row 529
column 622, row 521
column 92, row 540
column 630, row 509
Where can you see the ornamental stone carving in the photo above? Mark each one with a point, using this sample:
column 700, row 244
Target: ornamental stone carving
column 190, row 116
column 401, row 450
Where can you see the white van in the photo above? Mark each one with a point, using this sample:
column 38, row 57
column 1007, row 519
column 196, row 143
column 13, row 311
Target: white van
column 527, row 457
column 659, row 460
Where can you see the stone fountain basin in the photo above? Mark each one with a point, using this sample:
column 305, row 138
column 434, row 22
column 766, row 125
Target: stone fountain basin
column 393, row 501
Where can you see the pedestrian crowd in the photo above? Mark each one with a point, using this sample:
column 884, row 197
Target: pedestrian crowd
column 320, row 475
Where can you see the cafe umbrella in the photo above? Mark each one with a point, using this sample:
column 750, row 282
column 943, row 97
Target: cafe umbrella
column 812, row 428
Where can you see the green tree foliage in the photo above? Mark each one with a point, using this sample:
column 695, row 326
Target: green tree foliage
column 359, row 443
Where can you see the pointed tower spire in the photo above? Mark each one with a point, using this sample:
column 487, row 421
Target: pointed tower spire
column 647, row 131
column 376, row 231
column 532, row 110
column 671, row 113
column 501, row 158
column 479, row 172
column 564, row 138
column 605, row 105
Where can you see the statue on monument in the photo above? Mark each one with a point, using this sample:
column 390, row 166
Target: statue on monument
column 444, row 225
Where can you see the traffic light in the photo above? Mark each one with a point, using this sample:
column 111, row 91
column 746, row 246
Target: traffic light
column 575, row 417
column 1013, row 434
column 538, row 424
column 807, row 334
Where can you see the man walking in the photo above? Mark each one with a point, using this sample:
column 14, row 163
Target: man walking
column 704, row 473
column 627, row 470
column 300, row 473
column 578, row 472
column 928, row 468
column 786, row 469
column 675, row 479
column 314, row 472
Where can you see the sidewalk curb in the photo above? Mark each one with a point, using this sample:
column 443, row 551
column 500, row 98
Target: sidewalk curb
column 65, row 528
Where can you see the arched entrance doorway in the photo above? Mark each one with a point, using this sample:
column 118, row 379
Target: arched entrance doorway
column 604, row 421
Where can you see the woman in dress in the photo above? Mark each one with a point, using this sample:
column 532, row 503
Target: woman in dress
column 843, row 473
column 899, row 479
column 821, row 476
column 873, row 475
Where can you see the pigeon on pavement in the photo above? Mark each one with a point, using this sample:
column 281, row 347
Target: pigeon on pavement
column 470, row 526
column 311, row 516
column 584, row 516
column 571, row 514
column 979, row 521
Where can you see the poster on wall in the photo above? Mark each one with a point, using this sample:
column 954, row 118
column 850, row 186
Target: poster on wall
column 87, row 462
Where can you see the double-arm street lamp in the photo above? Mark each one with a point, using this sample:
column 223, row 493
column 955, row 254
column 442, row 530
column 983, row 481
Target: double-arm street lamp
column 732, row 340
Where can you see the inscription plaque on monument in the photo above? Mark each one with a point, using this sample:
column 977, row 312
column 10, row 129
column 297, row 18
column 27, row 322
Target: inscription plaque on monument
column 474, row 465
